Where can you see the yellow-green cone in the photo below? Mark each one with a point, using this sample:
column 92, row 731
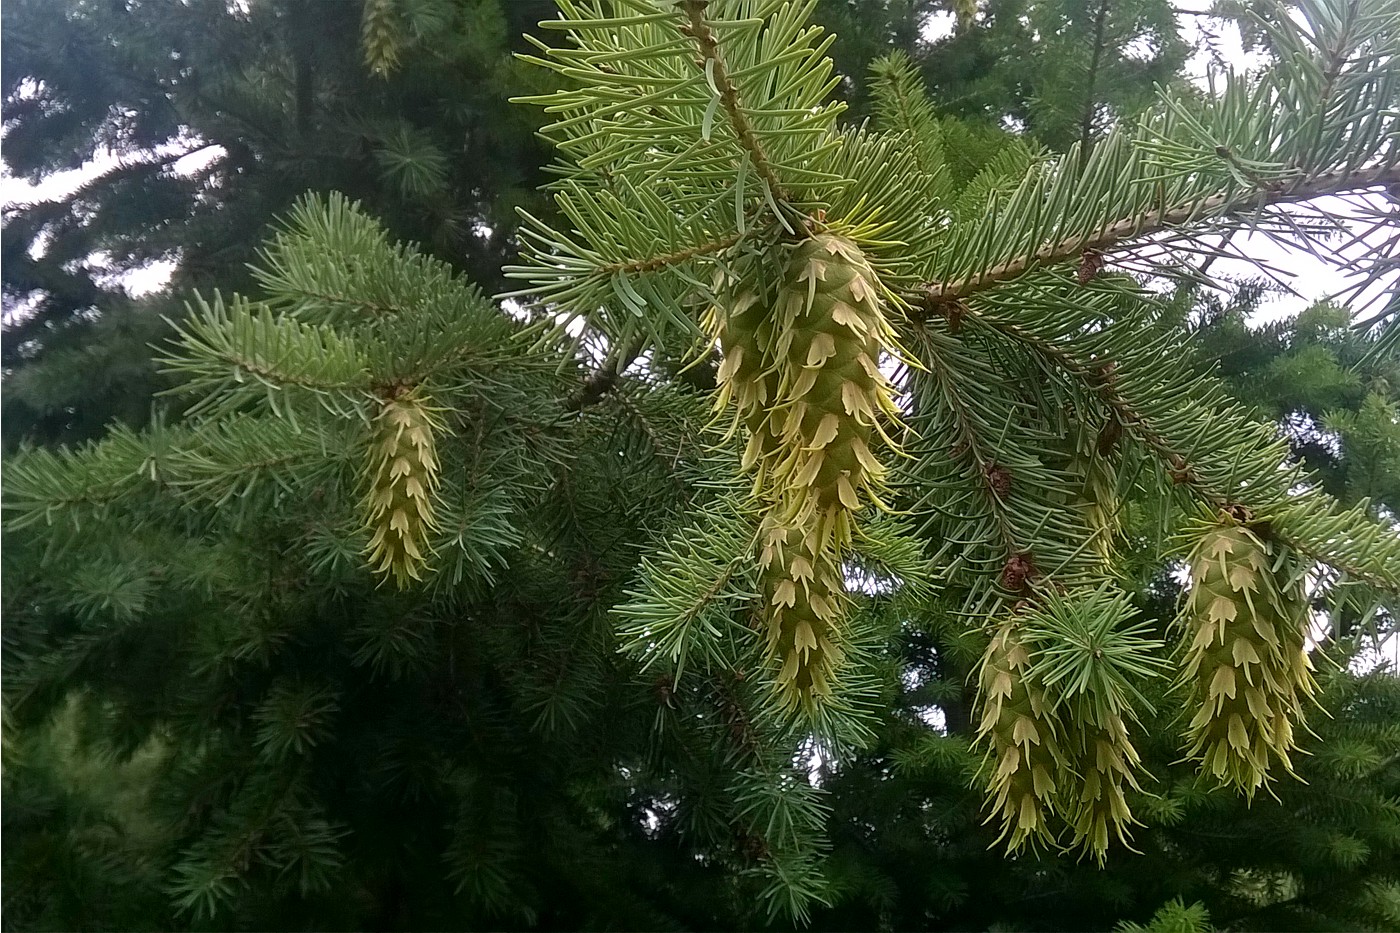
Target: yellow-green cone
column 831, row 395
column 747, row 377
column 403, row 470
column 1093, row 480
column 1096, row 804
column 1028, row 775
column 1246, row 665
column 380, row 36
column 801, row 369
column 804, row 602
column 1098, row 501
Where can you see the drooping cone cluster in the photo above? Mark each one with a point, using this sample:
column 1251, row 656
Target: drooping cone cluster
column 801, row 366
column 403, row 471
column 1029, row 770
column 1246, row 665
column 1057, row 697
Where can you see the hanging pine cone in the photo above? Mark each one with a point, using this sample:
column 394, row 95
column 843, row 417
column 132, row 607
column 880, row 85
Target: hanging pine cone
column 801, row 369
column 1246, row 664
column 831, row 395
column 1026, row 762
column 1098, row 502
column 805, row 599
column 380, row 36
column 1106, row 761
column 403, row 473
column 743, row 329
column 1058, row 694
column 1092, row 489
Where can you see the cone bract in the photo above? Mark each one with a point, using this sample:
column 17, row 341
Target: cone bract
column 403, row 470
column 1246, row 663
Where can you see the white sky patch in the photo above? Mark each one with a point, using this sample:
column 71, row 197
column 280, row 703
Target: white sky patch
column 940, row 24
column 197, row 156
column 16, row 191
column 185, row 155
column 1141, row 48
column 144, row 280
column 1217, row 42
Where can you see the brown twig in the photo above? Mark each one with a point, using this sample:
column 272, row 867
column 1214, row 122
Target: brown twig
column 671, row 259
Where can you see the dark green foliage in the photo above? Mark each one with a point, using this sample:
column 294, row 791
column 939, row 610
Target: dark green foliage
column 335, row 754
column 82, row 838
column 1321, row 379
column 278, row 90
column 868, row 30
column 1062, row 70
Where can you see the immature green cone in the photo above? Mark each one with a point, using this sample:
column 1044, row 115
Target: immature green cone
column 1098, row 503
column 801, row 369
column 831, row 395
column 380, row 36
column 1097, row 806
column 747, row 379
column 1028, row 771
column 1246, row 664
column 403, row 471
column 804, row 601
column 1094, row 489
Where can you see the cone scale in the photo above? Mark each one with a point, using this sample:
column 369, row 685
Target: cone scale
column 801, row 371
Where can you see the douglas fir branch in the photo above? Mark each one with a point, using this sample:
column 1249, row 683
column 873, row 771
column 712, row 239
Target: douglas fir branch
column 779, row 396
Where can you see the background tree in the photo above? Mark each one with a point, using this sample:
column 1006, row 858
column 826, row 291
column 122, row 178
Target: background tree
column 1065, row 71
column 269, row 99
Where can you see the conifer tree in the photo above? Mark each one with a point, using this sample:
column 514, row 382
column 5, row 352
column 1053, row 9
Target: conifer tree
column 269, row 99
column 1066, row 70
column 942, row 402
